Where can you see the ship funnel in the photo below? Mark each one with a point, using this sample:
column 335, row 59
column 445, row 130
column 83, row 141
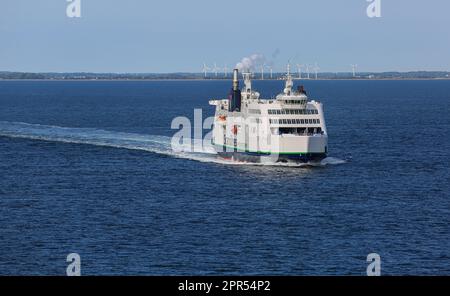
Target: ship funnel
column 235, row 79
column 235, row 96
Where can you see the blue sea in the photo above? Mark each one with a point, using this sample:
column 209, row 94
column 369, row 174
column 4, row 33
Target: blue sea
column 87, row 167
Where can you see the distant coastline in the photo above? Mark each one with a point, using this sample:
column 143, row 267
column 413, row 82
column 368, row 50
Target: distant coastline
column 82, row 76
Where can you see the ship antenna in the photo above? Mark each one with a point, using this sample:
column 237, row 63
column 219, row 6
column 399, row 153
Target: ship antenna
column 247, row 82
column 289, row 83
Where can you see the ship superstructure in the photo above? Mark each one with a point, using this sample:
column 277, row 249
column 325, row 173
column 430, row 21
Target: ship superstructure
column 288, row 128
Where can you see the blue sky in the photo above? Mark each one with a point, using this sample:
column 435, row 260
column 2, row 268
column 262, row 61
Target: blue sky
column 179, row 35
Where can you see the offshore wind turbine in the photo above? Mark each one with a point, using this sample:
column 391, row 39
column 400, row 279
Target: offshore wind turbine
column 262, row 71
column 225, row 71
column 299, row 70
column 271, row 71
column 307, row 71
column 215, row 69
column 354, row 66
column 205, row 69
column 316, row 68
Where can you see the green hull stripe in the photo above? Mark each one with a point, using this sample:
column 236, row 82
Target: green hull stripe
column 265, row 152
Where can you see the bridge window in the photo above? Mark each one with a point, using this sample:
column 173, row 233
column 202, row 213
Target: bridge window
column 294, row 111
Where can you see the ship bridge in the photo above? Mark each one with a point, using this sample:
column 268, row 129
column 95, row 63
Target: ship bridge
column 291, row 98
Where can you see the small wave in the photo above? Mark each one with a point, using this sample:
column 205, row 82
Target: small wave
column 333, row 161
column 151, row 143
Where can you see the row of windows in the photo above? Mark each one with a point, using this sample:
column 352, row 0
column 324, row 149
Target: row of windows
column 295, row 102
column 305, row 131
column 294, row 121
column 293, row 111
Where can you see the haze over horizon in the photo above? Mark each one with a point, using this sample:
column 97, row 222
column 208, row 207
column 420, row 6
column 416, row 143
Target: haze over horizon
column 179, row 36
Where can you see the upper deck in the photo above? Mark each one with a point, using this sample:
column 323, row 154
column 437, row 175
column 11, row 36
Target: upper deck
column 289, row 112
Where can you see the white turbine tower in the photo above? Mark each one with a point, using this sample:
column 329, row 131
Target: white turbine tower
column 316, row 68
column 225, row 71
column 262, row 71
column 354, row 66
column 299, row 70
column 205, row 69
column 271, row 71
column 307, row 71
column 215, row 69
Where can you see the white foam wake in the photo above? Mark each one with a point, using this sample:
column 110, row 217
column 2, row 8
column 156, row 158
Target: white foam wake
column 151, row 143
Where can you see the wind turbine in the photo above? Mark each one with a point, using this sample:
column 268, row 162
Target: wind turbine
column 299, row 69
column 307, row 71
column 215, row 69
column 354, row 69
column 205, row 69
column 225, row 71
column 262, row 71
column 271, row 71
column 316, row 68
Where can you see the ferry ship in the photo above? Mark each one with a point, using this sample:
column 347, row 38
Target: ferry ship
column 287, row 128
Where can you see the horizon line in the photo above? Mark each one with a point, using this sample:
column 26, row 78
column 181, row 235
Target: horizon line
column 222, row 72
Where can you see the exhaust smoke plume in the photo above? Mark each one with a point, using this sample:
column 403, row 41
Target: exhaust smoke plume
column 251, row 63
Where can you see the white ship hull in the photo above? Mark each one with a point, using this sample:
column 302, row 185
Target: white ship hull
column 301, row 149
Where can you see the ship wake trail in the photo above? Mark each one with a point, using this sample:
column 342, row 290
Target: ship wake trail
column 93, row 136
column 98, row 137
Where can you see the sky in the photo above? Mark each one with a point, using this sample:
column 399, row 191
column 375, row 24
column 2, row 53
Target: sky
column 143, row 36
